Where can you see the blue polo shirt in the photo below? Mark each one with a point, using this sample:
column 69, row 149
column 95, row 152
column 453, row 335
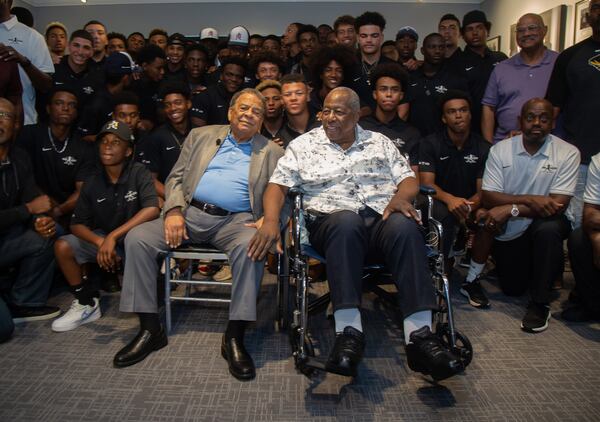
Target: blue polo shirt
column 225, row 181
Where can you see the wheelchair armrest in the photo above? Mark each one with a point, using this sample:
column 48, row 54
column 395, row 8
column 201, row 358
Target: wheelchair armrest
column 426, row 190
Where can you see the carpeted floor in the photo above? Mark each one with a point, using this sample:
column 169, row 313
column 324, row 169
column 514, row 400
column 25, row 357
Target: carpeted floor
column 551, row 376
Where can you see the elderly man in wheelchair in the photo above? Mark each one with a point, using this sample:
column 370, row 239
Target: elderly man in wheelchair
column 358, row 192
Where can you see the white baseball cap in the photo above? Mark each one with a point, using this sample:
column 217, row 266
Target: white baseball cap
column 239, row 36
column 209, row 33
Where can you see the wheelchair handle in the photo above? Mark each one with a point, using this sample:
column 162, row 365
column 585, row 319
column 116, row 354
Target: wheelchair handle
column 426, row 190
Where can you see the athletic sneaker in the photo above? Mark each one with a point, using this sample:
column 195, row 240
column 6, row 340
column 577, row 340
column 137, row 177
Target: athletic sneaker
column 475, row 293
column 224, row 274
column 536, row 318
column 77, row 315
column 33, row 313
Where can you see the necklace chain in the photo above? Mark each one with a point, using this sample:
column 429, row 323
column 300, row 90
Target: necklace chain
column 54, row 145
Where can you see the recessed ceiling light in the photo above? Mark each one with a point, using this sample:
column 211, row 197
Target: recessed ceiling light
column 84, row 1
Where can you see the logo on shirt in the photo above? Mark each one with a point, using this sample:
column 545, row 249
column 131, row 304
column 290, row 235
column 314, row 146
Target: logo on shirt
column 14, row 40
column 399, row 142
column 69, row 161
column 471, row 159
column 595, row 62
column 99, row 201
column 468, row 68
column 444, row 158
column 220, row 106
column 548, row 168
column 169, row 148
column 46, row 149
column 88, row 90
column 441, row 89
column 130, row 196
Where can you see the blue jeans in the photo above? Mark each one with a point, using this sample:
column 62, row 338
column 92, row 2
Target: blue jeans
column 33, row 256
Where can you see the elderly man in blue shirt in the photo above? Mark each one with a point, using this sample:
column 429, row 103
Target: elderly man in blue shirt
column 213, row 194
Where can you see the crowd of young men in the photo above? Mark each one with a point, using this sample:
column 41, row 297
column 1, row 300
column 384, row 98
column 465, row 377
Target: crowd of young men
column 99, row 132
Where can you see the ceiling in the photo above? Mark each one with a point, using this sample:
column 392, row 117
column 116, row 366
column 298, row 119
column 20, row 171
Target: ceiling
column 47, row 3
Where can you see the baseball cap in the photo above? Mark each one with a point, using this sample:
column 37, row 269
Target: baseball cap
column 238, row 36
column 209, row 33
column 119, row 63
column 176, row 39
column 117, row 128
column 407, row 31
column 56, row 25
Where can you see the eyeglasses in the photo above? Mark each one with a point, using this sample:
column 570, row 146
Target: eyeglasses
column 530, row 28
column 5, row 115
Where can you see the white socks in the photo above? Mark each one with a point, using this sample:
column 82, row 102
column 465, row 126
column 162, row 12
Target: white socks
column 347, row 317
column 414, row 322
column 474, row 270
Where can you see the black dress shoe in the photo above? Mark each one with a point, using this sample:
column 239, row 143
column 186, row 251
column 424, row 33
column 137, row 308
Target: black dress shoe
column 426, row 353
column 347, row 352
column 240, row 362
column 141, row 346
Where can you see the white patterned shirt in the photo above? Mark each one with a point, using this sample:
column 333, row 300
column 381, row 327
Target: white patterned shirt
column 365, row 175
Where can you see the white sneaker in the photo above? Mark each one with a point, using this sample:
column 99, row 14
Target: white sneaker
column 77, row 315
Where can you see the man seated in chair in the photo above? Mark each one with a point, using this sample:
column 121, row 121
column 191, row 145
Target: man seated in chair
column 213, row 194
column 358, row 191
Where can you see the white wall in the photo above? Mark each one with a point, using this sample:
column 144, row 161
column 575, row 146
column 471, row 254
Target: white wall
column 263, row 18
column 504, row 13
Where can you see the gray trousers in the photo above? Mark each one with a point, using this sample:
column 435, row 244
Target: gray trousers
column 146, row 241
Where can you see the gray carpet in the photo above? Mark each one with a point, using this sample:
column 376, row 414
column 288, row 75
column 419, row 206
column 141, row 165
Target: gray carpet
column 551, row 376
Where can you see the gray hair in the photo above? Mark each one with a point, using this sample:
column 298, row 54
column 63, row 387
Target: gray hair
column 353, row 100
column 250, row 91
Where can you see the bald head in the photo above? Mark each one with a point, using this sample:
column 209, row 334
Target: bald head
column 347, row 95
column 537, row 120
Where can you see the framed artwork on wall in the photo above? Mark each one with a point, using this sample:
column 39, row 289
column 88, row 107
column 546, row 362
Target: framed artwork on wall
column 582, row 27
column 494, row 43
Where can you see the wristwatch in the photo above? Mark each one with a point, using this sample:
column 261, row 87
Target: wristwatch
column 514, row 211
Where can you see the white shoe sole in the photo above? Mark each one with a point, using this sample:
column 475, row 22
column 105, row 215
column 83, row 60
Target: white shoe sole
column 537, row 329
column 96, row 315
column 471, row 302
column 36, row 318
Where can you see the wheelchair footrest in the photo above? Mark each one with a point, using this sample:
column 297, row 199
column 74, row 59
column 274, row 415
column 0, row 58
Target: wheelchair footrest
column 312, row 363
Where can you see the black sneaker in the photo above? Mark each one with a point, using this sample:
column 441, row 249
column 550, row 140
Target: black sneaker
column 33, row 313
column 536, row 319
column 475, row 293
column 426, row 353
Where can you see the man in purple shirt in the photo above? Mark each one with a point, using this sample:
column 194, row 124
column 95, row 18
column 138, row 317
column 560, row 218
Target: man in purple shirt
column 517, row 80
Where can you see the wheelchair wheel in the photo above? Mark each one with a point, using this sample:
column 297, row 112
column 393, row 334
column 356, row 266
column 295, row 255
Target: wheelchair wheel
column 462, row 348
column 308, row 349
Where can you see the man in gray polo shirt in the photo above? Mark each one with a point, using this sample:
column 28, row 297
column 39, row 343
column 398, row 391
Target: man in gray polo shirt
column 528, row 182
column 516, row 80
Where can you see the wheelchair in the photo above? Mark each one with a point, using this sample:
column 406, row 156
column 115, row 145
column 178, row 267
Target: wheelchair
column 295, row 307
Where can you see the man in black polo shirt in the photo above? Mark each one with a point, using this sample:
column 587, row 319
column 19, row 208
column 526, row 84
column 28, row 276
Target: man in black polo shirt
column 118, row 70
column 118, row 197
column 452, row 161
column 369, row 27
column 162, row 147
column 428, row 83
column 273, row 121
column 126, row 109
column 477, row 61
column 449, row 28
column 175, row 53
column 76, row 71
column 573, row 91
column 388, row 82
column 308, row 39
column 406, row 43
column 195, row 63
column 98, row 32
column 61, row 160
column 135, row 42
column 298, row 117
column 116, row 42
column 29, row 250
column 210, row 107
column 152, row 59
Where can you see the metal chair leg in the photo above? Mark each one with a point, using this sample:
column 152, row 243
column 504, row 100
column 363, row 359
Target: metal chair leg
column 168, row 292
